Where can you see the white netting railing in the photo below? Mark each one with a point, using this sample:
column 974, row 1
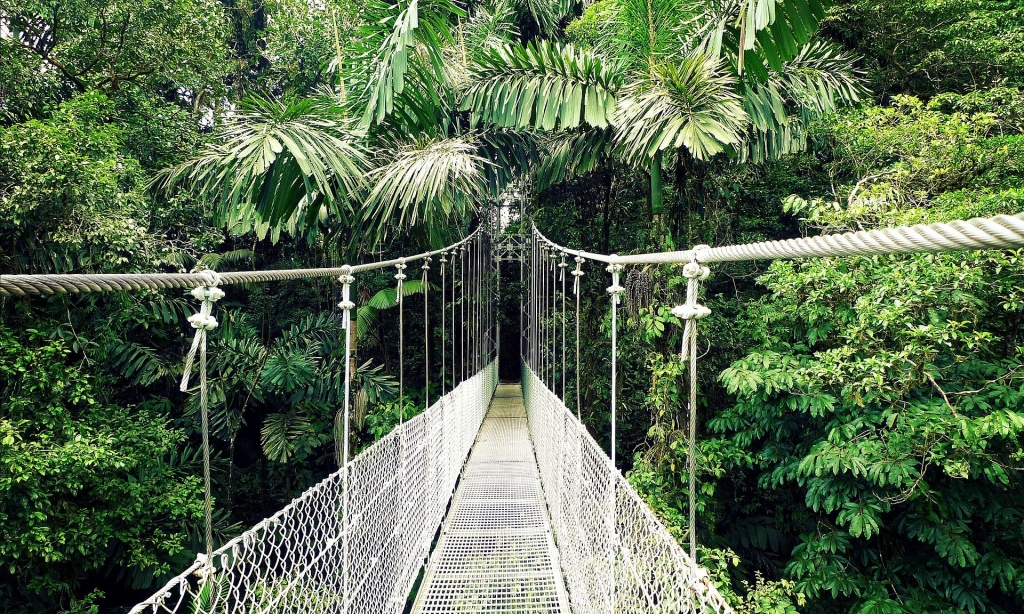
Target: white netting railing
column 299, row 559
column 616, row 556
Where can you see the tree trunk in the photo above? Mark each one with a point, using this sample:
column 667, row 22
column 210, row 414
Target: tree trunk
column 607, row 213
column 657, row 197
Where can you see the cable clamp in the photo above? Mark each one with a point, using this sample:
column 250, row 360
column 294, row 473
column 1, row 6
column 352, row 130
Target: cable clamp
column 694, row 270
column 691, row 312
column 202, row 321
column 577, row 273
column 346, row 279
column 615, row 289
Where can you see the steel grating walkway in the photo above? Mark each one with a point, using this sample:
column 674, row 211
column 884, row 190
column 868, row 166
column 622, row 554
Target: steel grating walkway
column 496, row 552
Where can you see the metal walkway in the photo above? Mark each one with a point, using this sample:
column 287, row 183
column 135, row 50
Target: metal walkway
column 496, row 552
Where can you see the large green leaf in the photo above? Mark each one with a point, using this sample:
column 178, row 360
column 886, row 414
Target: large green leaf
column 571, row 154
column 819, row 80
column 402, row 36
column 759, row 33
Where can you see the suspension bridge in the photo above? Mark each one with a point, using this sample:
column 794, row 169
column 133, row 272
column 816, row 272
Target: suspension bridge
column 495, row 498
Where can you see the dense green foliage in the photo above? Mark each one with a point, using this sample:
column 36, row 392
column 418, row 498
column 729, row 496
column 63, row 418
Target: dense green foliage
column 860, row 420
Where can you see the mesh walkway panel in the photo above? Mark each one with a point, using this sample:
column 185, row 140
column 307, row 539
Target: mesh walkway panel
column 496, row 552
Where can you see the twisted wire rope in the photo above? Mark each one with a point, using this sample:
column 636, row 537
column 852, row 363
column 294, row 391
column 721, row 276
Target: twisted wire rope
column 997, row 232
column 24, row 285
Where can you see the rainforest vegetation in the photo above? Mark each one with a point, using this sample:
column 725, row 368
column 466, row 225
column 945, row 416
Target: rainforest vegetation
column 860, row 420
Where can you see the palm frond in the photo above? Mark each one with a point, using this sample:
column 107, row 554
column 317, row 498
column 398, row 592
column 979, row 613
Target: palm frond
column 547, row 13
column 543, row 86
column 430, row 183
column 397, row 34
column 572, row 154
column 366, row 321
column 378, row 385
column 692, row 105
column 141, row 364
column 651, row 32
column 279, row 433
column 821, row 79
column 218, row 261
column 759, row 33
column 275, row 159
column 486, row 28
column 289, row 370
column 321, row 328
column 512, row 154
column 388, row 297
column 239, row 358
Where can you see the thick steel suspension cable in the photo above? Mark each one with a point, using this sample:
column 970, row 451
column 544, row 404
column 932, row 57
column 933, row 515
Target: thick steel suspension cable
column 615, row 290
column 547, row 318
column 400, row 277
column 346, row 305
column 444, row 317
column 554, row 322
column 997, row 232
column 24, row 285
column 462, row 311
column 454, row 286
column 478, row 311
column 534, row 289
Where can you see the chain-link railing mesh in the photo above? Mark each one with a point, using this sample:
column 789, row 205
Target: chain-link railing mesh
column 616, row 556
column 301, row 560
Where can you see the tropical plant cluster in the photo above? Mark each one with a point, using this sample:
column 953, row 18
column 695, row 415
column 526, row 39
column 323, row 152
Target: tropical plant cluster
column 860, row 420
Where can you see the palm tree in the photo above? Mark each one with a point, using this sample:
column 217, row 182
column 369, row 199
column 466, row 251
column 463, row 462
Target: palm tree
column 740, row 77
